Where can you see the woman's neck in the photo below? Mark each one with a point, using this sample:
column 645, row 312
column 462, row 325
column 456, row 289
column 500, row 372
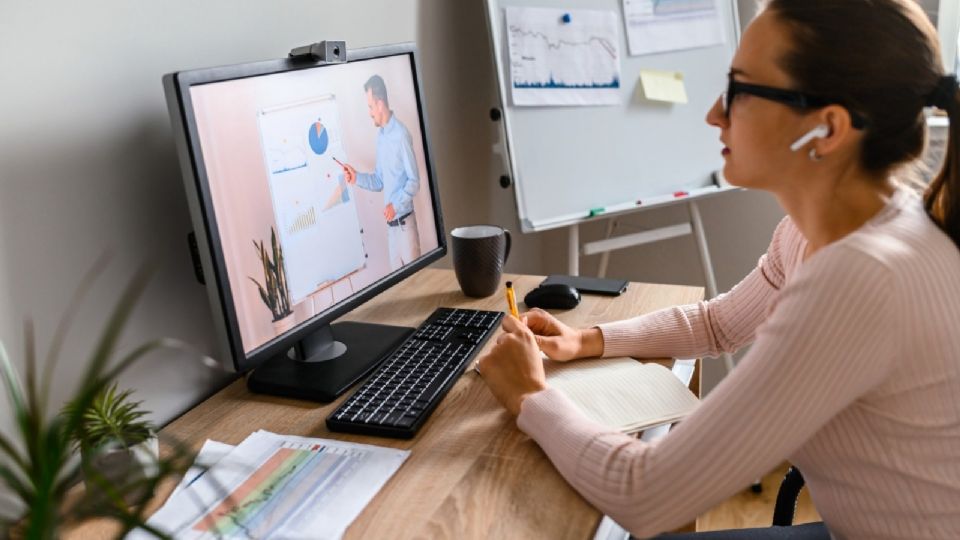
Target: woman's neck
column 826, row 211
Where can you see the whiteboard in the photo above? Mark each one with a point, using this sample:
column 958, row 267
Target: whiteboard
column 301, row 142
column 568, row 161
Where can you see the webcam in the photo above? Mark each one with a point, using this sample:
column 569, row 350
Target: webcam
column 328, row 52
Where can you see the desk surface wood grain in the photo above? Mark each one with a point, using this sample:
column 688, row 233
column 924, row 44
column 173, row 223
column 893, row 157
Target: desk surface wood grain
column 471, row 473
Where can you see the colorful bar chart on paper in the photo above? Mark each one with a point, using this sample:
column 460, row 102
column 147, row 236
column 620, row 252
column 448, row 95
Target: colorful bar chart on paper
column 278, row 486
column 294, row 470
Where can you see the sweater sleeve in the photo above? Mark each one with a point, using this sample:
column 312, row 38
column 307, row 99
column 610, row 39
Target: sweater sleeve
column 723, row 324
column 830, row 338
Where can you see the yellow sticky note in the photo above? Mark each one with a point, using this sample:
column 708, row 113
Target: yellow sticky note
column 663, row 85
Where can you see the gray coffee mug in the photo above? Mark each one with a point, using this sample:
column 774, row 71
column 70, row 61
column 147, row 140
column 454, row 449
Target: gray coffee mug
column 479, row 253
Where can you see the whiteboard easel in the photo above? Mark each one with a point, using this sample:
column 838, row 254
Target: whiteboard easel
column 612, row 243
column 671, row 145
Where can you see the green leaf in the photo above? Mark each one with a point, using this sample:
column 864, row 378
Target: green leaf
column 30, row 359
column 12, row 382
column 136, row 354
column 15, row 394
column 115, row 325
column 14, row 482
column 56, row 344
column 41, row 474
column 6, row 445
column 112, row 416
column 263, row 293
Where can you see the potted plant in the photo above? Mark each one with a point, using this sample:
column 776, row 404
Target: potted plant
column 37, row 462
column 116, row 440
column 274, row 291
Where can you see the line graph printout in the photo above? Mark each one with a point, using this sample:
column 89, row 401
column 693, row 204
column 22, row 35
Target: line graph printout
column 275, row 486
column 301, row 143
column 655, row 26
column 563, row 57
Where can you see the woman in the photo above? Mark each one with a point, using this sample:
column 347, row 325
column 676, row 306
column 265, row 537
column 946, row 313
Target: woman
column 853, row 312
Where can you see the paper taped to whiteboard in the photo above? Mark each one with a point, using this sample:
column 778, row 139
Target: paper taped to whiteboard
column 655, row 26
column 563, row 57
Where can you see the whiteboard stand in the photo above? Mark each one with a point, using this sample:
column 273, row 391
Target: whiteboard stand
column 611, row 243
column 547, row 167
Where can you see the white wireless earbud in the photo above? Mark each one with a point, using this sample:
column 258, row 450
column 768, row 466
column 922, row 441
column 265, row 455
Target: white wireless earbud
column 816, row 133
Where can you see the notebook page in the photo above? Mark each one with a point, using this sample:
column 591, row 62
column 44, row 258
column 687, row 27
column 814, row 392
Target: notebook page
column 621, row 392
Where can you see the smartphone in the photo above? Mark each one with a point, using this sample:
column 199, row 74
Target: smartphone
column 589, row 285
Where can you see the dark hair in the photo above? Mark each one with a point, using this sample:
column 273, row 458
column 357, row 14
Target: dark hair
column 377, row 88
column 881, row 59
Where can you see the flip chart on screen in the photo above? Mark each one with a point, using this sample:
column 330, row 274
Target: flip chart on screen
column 301, row 145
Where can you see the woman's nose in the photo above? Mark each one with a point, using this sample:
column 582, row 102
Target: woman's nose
column 716, row 117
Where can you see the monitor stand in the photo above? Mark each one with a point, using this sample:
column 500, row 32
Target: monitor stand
column 328, row 362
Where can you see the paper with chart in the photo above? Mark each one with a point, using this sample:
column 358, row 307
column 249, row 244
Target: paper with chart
column 301, row 143
column 622, row 393
column 210, row 454
column 277, row 486
column 655, row 26
column 563, row 57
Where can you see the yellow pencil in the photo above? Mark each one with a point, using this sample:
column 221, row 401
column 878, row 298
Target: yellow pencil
column 512, row 300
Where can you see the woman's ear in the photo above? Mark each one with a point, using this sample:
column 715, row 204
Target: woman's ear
column 840, row 129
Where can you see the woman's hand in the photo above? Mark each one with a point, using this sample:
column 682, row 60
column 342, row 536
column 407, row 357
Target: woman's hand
column 559, row 341
column 513, row 368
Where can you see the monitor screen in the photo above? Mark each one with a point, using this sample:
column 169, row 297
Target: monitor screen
column 314, row 188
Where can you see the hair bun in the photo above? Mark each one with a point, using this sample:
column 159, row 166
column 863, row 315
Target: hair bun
column 944, row 93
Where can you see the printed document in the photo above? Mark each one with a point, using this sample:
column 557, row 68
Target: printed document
column 277, row 486
column 563, row 57
column 655, row 26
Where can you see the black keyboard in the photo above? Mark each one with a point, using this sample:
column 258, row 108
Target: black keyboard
column 409, row 384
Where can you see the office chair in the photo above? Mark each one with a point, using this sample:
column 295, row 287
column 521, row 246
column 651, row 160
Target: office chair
column 782, row 526
column 786, row 505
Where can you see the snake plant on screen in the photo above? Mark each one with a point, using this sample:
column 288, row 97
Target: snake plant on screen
column 273, row 291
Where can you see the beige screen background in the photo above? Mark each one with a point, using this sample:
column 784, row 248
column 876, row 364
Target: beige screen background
column 226, row 119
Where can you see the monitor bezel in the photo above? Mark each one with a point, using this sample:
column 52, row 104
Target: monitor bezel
column 203, row 213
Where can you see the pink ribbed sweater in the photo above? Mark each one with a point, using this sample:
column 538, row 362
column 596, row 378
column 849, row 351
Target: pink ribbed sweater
column 854, row 376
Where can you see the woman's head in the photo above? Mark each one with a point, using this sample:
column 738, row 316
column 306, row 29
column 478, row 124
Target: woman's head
column 878, row 63
column 880, row 57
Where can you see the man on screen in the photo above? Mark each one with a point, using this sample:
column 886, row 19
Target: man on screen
column 396, row 174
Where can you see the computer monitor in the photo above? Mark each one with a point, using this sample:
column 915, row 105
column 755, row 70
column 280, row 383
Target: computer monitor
column 312, row 190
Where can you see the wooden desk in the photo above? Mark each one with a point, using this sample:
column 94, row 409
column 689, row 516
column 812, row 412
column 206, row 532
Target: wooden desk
column 471, row 473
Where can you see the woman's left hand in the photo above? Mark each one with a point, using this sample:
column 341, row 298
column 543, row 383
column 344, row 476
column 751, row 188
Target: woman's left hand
column 513, row 368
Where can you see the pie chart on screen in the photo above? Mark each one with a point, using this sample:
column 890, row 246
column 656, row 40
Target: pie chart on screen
column 319, row 140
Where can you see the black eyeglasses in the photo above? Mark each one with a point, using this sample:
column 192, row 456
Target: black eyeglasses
column 793, row 98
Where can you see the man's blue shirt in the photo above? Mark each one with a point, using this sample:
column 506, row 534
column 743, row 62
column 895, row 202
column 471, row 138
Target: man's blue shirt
column 396, row 173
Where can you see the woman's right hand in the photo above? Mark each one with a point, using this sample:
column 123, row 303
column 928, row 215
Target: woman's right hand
column 559, row 341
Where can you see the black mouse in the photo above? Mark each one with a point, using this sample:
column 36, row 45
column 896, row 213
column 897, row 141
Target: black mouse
column 553, row 296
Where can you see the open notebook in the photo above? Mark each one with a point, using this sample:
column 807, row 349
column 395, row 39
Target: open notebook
column 621, row 392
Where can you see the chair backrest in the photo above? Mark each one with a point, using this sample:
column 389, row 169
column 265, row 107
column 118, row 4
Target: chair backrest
column 786, row 505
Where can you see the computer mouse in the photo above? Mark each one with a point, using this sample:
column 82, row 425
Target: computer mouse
column 553, row 296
